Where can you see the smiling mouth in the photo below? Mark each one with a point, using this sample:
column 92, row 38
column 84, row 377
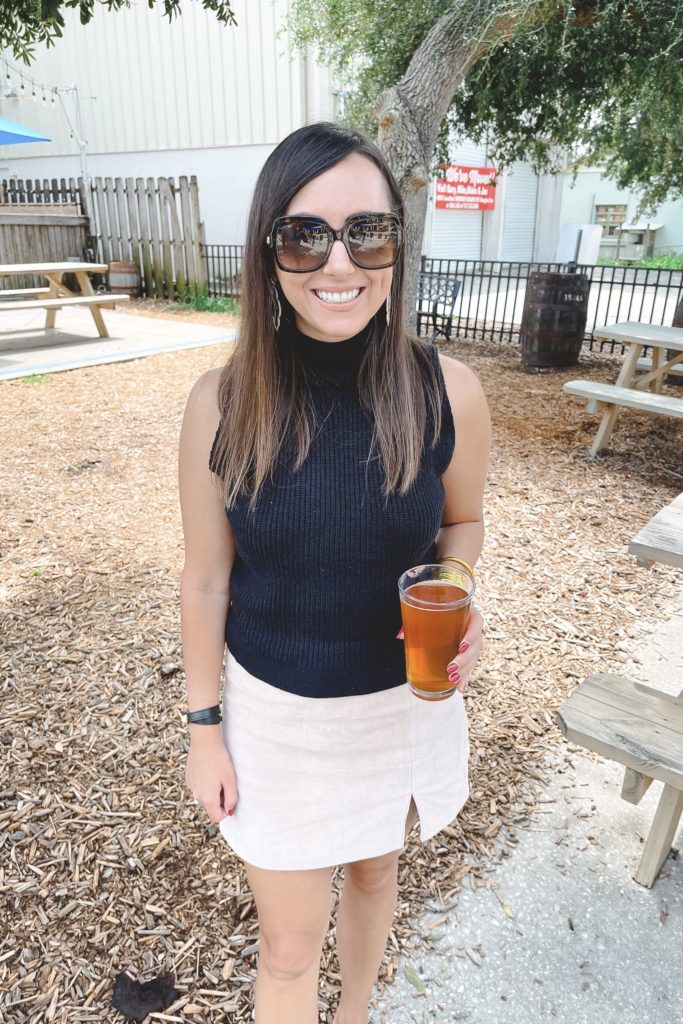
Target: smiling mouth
column 337, row 298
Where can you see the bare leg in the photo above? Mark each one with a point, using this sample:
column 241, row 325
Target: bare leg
column 364, row 919
column 294, row 914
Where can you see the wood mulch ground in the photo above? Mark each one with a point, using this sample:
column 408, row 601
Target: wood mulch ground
column 159, row 309
column 106, row 862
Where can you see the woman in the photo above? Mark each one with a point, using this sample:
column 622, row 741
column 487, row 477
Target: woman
column 328, row 438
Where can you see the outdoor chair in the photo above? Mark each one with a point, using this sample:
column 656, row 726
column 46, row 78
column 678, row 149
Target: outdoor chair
column 436, row 297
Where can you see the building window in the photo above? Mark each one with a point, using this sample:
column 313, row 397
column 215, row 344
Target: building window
column 611, row 216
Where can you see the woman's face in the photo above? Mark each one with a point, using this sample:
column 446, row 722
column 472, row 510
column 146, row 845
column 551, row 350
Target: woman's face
column 354, row 185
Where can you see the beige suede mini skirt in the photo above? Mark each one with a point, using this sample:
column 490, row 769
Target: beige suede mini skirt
column 323, row 781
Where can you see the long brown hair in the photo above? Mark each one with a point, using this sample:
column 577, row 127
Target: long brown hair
column 261, row 393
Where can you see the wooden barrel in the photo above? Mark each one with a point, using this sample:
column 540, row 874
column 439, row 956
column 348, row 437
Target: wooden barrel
column 672, row 378
column 124, row 278
column 554, row 319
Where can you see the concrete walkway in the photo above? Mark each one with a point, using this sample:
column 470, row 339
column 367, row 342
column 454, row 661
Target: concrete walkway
column 586, row 944
column 27, row 348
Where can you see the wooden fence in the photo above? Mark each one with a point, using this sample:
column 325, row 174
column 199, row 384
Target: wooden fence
column 156, row 224
column 153, row 222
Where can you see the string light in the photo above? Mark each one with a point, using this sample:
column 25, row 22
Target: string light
column 36, row 86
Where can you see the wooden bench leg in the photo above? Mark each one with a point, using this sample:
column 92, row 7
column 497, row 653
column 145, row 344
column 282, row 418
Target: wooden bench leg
column 664, row 827
column 634, row 786
column 99, row 321
column 53, row 293
column 605, row 429
column 656, row 382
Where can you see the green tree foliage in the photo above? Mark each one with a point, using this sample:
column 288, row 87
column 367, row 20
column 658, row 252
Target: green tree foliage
column 23, row 23
column 601, row 79
column 367, row 44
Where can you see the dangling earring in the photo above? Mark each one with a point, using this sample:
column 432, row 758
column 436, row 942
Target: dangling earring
column 277, row 308
column 388, row 305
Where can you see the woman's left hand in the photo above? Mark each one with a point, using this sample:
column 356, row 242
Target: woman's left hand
column 468, row 653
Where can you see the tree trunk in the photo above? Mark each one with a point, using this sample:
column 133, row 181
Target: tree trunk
column 410, row 114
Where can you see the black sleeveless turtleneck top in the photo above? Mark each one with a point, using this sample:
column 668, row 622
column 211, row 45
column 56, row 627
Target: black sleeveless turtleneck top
column 314, row 605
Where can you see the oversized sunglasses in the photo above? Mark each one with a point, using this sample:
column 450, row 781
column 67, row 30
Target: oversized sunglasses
column 303, row 244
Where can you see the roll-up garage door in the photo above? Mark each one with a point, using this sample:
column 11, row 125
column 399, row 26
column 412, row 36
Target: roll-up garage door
column 520, row 213
column 456, row 234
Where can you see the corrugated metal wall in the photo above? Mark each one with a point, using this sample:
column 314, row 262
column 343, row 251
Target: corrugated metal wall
column 146, row 84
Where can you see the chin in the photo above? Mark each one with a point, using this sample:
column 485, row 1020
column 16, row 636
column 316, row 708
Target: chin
column 336, row 326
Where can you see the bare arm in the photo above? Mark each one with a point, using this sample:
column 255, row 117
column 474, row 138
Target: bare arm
column 462, row 528
column 209, row 555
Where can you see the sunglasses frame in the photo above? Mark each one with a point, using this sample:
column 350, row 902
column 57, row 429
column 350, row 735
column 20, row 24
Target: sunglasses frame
column 335, row 235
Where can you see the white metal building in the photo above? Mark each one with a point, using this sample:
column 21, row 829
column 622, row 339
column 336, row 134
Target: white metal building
column 162, row 98
column 595, row 199
column 195, row 97
column 524, row 225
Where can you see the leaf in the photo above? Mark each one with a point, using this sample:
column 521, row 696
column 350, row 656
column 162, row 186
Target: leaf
column 414, row 978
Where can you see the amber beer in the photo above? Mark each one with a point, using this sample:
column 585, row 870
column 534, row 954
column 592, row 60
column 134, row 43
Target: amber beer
column 435, row 607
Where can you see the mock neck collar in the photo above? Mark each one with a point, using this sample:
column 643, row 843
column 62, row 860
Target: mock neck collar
column 330, row 356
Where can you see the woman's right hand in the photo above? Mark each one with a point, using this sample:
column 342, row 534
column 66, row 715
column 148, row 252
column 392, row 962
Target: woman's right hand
column 210, row 774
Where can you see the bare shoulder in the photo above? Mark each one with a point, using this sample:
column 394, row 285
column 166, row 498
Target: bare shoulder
column 202, row 403
column 462, row 384
column 205, row 388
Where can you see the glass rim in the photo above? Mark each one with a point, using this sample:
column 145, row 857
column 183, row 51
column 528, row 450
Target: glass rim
column 445, row 572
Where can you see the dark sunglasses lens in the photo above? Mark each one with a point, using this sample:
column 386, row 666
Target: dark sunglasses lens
column 301, row 244
column 374, row 241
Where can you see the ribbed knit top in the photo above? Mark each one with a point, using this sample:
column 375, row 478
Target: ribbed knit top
column 314, row 605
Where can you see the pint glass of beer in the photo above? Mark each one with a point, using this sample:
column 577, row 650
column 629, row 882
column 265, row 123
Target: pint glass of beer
column 435, row 607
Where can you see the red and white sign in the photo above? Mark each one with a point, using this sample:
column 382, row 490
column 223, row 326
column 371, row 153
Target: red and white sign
column 466, row 188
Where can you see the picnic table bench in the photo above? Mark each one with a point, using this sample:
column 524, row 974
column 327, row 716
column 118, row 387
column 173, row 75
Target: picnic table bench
column 661, row 540
column 641, row 728
column 633, row 390
column 56, row 294
column 636, row 725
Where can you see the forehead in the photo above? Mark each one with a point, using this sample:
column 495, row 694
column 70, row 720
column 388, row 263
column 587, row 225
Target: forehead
column 354, row 185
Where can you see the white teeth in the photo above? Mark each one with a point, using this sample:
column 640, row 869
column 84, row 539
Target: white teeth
column 338, row 297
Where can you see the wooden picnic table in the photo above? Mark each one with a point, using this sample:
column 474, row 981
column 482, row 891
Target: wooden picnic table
column 638, row 726
column 55, row 294
column 639, row 384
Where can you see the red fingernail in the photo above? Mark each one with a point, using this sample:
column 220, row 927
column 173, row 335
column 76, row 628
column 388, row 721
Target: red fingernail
column 463, row 646
column 232, row 811
column 399, row 635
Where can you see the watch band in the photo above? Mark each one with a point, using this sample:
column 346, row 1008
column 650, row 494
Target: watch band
column 207, row 716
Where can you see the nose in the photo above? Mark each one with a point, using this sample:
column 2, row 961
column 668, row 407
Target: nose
column 338, row 263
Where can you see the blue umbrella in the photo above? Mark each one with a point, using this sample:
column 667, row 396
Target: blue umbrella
column 10, row 132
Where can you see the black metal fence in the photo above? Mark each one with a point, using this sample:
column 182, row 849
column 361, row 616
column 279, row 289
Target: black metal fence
column 41, row 192
column 490, row 298
column 223, row 269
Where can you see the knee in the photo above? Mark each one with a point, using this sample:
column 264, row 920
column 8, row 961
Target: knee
column 375, row 876
column 287, row 956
